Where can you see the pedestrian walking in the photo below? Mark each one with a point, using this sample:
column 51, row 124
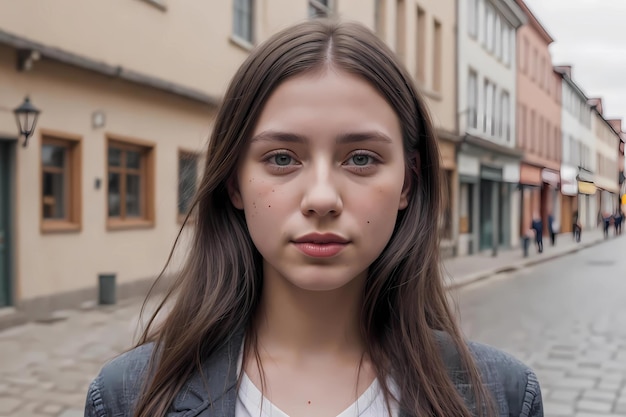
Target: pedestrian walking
column 537, row 226
column 618, row 217
column 553, row 227
column 313, row 279
column 576, row 226
column 606, row 220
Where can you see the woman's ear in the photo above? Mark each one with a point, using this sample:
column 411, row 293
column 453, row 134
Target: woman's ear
column 406, row 189
column 233, row 192
column 412, row 171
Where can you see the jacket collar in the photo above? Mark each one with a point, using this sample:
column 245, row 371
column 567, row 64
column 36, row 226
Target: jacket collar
column 213, row 391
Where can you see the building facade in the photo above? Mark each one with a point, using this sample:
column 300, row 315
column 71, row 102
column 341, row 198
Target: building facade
column 579, row 160
column 488, row 162
column 538, row 124
column 422, row 33
column 607, row 140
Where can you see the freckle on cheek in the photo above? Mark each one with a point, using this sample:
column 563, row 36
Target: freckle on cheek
column 368, row 222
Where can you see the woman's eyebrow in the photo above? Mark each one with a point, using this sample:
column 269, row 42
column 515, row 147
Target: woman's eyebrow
column 374, row 136
column 272, row 135
column 352, row 137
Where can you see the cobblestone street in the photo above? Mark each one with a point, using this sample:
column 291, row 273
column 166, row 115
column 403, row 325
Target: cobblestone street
column 565, row 317
column 45, row 368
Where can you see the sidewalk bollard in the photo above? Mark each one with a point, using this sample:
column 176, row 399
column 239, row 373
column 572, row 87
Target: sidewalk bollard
column 106, row 289
column 525, row 245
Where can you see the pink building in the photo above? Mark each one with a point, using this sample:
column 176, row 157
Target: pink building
column 538, row 123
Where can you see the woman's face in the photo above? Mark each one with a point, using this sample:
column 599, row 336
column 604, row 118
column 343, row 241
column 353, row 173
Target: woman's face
column 322, row 180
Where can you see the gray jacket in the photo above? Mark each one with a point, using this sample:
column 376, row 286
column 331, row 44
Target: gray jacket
column 114, row 391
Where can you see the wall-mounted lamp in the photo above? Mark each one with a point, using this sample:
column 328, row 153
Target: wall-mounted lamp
column 26, row 117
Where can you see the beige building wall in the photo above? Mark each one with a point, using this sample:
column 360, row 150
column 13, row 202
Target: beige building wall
column 49, row 263
column 607, row 164
column 422, row 33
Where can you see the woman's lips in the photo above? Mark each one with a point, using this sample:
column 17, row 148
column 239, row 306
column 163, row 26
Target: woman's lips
column 320, row 250
column 320, row 245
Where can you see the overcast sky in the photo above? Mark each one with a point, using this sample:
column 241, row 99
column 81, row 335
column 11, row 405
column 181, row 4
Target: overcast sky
column 591, row 36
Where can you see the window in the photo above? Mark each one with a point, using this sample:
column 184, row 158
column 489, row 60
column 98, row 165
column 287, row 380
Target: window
column 526, row 54
column 489, row 29
column 505, row 132
column 319, row 8
column 497, row 34
column 534, row 66
column 437, row 64
column 60, row 184
column 523, row 128
column 506, row 44
column 540, row 137
column 401, row 29
column 472, row 18
column 187, row 181
column 472, row 100
column 380, row 17
column 490, row 108
column 533, row 137
column 421, row 45
column 243, row 20
column 130, row 184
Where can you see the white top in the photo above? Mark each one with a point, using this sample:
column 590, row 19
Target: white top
column 370, row 404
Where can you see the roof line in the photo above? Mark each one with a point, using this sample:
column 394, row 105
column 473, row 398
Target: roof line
column 115, row 71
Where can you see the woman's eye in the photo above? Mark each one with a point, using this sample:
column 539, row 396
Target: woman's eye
column 361, row 160
column 282, row 160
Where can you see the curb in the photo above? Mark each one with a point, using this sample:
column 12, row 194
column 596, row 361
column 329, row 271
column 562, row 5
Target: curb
column 489, row 273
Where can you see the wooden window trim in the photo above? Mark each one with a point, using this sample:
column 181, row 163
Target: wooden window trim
column 73, row 221
column 147, row 171
column 180, row 218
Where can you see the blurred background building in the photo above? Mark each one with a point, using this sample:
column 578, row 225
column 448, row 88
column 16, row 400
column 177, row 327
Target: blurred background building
column 128, row 89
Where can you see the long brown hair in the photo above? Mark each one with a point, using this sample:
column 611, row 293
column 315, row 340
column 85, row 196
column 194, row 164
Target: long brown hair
column 219, row 287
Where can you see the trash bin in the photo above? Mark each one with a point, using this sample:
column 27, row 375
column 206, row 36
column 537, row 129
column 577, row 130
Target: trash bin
column 106, row 289
column 525, row 245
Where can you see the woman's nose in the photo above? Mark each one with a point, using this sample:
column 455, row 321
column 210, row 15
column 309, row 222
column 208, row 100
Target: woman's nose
column 321, row 196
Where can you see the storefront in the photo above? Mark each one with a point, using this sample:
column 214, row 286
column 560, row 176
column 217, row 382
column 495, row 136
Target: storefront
column 550, row 199
column 530, row 188
column 449, row 225
column 569, row 197
column 489, row 204
column 586, row 204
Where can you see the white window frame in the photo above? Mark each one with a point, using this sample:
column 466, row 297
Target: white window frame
column 243, row 14
column 505, row 123
column 320, row 9
column 489, row 26
column 472, row 18
column 472, row 99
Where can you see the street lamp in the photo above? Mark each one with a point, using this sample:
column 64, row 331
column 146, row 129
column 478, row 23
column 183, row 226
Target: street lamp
column 26, row 116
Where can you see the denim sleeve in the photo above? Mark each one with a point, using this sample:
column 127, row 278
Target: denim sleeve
column 94, row 406
column 533, row 404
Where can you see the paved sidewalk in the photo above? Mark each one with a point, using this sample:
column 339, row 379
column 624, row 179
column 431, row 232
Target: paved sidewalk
column 465, row 270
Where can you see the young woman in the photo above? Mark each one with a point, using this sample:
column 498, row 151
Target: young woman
column 313, row 283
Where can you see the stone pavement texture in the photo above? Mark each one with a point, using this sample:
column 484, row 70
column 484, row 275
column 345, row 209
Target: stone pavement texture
column 45, row 368
column 567, row 320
